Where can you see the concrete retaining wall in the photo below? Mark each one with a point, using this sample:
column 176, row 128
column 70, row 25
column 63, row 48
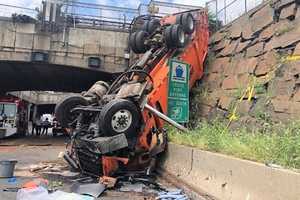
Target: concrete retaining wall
column 19, row 40
column 225, row 177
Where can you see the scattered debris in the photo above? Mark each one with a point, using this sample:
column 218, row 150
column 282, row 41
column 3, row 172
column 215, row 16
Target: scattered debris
column 54, row 185
column 94, row 189
column 60, row 195
column 129, row 187
column 274, row 166
column 41, row 193
column 36, row 193
column 109, row 182
column 172, row 195
column 39, row 182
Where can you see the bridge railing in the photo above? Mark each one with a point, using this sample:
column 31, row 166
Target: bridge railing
column 7, row 10
column 79, row 14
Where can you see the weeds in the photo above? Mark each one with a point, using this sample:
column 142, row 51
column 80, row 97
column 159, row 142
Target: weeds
column 280, row 145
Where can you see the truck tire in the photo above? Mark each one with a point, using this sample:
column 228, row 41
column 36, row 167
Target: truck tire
column 151, row 26
column 132, row 42
column 174, row 36
column 140, row 39
column 186, row 20
column 63, row 109
column 137, row 42
column 120, row 116
column 168, row 36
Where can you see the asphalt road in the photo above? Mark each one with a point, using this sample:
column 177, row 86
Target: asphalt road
column 34, row 150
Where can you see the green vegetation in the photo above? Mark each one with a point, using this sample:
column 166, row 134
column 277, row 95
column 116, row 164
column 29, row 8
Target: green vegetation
column 213, row 22
column 284, row 30
column 279, row 144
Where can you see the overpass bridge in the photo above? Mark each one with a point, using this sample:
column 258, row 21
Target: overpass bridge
column 31, row 59
column 69, row 46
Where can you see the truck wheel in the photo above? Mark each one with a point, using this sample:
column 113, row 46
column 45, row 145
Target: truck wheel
column 132, row 42
column 187, row 22
column 174, row 36
column 151, row 26
column 63, row 109
column 120, row 116
column 137, row 42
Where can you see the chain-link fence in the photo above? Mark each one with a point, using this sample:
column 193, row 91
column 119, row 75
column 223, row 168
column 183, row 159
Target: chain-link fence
column 226, row 11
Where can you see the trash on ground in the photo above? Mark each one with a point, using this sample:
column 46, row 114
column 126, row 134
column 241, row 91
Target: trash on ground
column 54, row 185
column 11, row 189
column 93, row 189
column 36, row 193
column 172, row 195
column 109, row 182
column 41, row 193
column 60, row 195
column 12, row 180
column 39, row 182
column 129, row 187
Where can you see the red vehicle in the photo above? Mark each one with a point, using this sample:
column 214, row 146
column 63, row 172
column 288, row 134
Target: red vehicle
column 13, row 116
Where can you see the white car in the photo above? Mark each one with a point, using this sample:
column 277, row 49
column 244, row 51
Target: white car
column 49, row 116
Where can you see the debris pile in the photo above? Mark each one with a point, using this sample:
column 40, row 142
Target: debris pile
column 58, row 183
column 253, row 72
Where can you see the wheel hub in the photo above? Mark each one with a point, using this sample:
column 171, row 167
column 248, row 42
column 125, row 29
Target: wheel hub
column 181, row 37
column 121, row 120
column 191, row 23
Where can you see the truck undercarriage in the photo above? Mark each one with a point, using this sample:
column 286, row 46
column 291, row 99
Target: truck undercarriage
column 119, row 127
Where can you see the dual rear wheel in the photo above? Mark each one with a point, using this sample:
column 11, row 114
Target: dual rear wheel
column 174, row 35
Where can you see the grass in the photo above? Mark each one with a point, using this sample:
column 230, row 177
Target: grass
column 280, row 146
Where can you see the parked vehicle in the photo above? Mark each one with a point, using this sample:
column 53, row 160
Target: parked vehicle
column 13, row 116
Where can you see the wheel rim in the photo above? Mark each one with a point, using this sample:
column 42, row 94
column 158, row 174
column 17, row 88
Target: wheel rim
column 121, row 120
column 190, row 24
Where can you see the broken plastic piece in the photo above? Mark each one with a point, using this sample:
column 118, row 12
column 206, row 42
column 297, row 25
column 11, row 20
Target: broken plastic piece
column 36, row 193
column 94, row 189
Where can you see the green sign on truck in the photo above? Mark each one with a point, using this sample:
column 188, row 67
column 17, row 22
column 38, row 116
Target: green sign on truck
column 178, row 93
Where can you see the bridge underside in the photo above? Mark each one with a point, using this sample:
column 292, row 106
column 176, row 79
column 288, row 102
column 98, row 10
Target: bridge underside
column 21, row 76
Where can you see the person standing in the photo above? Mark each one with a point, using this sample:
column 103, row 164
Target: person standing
column 38, row 126
column 33, row 126
column 45, row 125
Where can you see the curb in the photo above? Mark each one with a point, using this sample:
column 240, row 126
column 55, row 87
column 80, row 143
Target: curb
column 225, row 177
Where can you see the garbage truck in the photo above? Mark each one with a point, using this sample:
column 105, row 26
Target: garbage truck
column 118, row 127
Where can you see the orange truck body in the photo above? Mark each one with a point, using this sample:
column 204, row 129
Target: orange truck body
column 194, row 54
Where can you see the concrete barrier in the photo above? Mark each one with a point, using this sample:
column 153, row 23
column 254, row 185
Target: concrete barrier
column 225, row 177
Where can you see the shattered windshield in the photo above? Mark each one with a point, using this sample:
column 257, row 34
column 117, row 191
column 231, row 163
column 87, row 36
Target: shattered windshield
column 8, row 109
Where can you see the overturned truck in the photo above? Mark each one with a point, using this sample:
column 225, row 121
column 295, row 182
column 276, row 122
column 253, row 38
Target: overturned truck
column 118, row 127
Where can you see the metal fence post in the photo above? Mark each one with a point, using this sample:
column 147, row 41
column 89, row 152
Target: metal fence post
column 225, row 13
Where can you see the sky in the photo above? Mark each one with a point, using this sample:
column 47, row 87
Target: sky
column 7, row 11
column 234, row 11
column 128, row 3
